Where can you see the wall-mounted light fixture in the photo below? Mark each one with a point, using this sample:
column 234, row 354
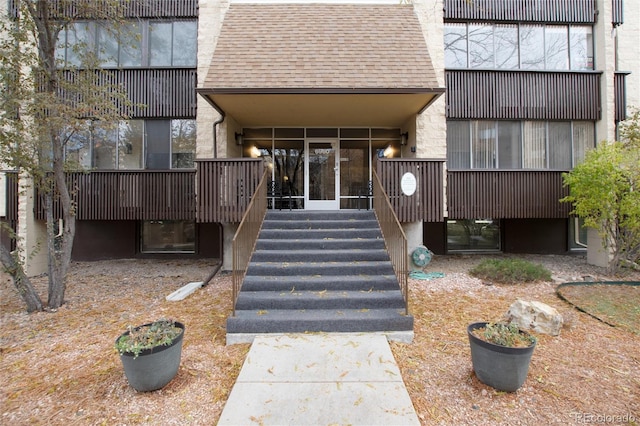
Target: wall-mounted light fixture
column 388, row 152
column 239, row 138
column 404, row 138
column 255, row 152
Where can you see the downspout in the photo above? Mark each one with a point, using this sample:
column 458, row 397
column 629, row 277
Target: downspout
column 215, row 133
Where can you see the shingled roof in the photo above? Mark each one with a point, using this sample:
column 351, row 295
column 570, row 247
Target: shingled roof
column 320, row 46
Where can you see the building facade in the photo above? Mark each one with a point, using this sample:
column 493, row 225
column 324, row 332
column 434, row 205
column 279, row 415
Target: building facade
column 485, row 102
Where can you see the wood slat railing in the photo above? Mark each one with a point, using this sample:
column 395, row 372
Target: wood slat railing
column 394, row 237
column 427, row 204
column 506, row 194
column 620, row 87
column 523, row 95
column 556, row 11
column 225, row 188
column 246, row 236
column 129, row 195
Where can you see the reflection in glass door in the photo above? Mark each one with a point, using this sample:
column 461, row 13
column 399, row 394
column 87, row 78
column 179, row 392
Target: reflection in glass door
column 321, row 177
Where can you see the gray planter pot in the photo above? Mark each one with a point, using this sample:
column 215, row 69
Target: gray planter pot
column 500, row 367
column 154, row 368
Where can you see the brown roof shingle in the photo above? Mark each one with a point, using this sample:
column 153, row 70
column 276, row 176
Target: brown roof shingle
column 320, row 46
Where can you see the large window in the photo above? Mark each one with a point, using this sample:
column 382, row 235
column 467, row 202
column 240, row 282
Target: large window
column 512, row 46
column 168, row 236
column 486, row 144
column 473, row 235
column 134, row 145
column 134, row 44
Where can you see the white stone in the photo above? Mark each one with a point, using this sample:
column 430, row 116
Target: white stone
column 536, row 316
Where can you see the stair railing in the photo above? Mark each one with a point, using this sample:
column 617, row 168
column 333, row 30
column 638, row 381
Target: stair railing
column 394, row 237
column 246, row 236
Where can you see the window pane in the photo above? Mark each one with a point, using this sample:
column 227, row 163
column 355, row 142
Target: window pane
column 160, row 44
column 458, row 145
column 509, row 145
column 130, row 144
column 131, row 45
column 183, row 143
column 532, row 47
column 534, row 145
column 473, row 235
column 455, row 46
column 158, row 144
column 107, row 43
column 583, row 140
column 506, row 39
column 79, row 41
column 173, row 236
column 483, row 143
column 78, row 148
column 185, row 43
column 481, row 46
column 288, row 159
column 105, row 140
column 61, row 47
column 581, row 48
column 560, row 145
column 556, row 47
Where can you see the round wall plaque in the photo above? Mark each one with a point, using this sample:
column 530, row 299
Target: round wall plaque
column 408, row 184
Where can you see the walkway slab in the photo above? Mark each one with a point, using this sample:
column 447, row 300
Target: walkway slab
column 319, row 379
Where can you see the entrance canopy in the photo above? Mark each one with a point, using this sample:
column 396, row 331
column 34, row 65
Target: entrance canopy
column 320, row 65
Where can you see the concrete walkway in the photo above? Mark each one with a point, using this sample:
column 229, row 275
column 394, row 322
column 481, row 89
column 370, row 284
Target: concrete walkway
column 319, row 379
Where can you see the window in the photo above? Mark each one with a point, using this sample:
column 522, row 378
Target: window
column 183, row 144
column 168, row 236
column 488, row 144
column 135, row 145
column 473, row 235
column 512, row 46
column 132, row 44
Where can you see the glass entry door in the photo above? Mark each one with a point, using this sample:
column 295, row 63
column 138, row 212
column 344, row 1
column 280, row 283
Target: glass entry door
column 322, row 182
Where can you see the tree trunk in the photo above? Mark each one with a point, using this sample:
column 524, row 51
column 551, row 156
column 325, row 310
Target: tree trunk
column 20, row 280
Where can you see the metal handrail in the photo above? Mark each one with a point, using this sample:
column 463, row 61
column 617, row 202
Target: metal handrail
column 245, row 238
column 394, row 237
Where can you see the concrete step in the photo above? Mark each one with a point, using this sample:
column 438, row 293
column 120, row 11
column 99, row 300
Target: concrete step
column 356, row 255
column 319, row 268
column 319, row 320
column 304, row 215
column 320, row 244
column 320, row 224
column 305, row 300
column 319, row 282
column 320, row 234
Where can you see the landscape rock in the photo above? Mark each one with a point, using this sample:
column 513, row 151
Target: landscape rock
column 536, row 316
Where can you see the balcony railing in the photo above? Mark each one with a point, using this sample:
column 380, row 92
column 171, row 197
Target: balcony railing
column 128, row 9
column 619, row 81
column 556, row 11
column 523, row 95
column 618, row 12
column 129, row 195
column 225, row 187
column 427, row 203
column 506, row 194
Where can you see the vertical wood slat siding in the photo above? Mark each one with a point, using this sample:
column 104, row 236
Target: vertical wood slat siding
column 129, row 9
column 501, row 194
column 225, row 188
column 565, row 11
column 153, row 93
column 427, row 204
column 11, row 194
column 618, row 12
column 620, row 87
column 473, row 94
column 129, row 195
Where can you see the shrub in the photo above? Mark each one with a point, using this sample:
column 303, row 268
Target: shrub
column 510, row 271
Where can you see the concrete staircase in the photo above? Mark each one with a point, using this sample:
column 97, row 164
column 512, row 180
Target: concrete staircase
column 316, row 271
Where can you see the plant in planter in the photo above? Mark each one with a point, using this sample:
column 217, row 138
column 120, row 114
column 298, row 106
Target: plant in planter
column 500, row 354
column 151, row 353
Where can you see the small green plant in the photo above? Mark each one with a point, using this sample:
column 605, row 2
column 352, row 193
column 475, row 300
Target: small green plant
column 510, row 271
column 505, row 334
column 158, row 333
